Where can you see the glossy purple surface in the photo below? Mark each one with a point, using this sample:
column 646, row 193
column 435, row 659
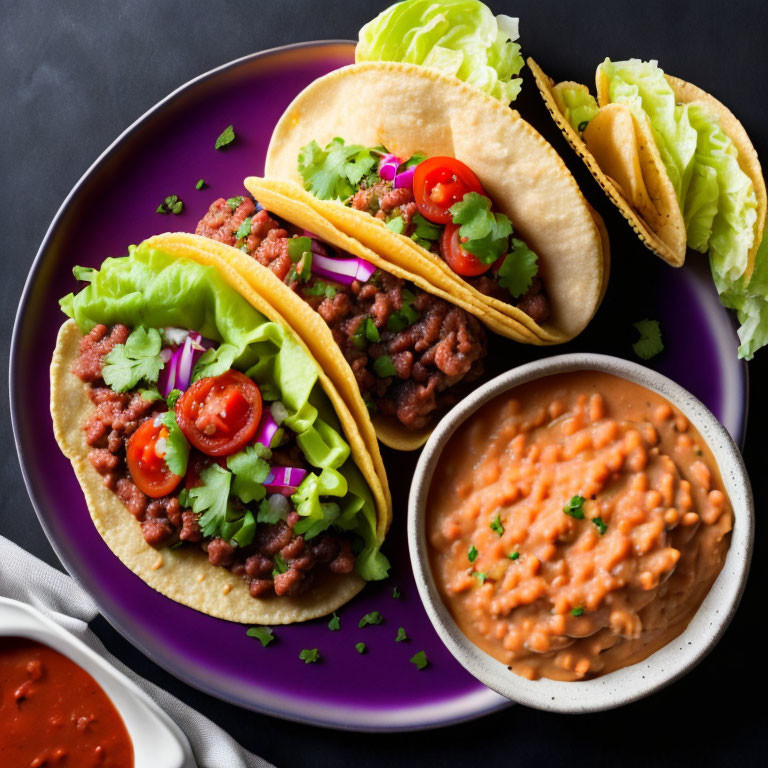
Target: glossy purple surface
column 166, row 152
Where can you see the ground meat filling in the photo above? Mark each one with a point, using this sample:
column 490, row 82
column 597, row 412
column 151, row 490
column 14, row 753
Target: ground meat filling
column 385, row 202
column 444, row 347
column 164, row 522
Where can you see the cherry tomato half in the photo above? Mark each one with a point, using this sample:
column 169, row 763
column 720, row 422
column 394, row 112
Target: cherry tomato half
column 438, row 183
column 220, row 414
column 148, row 469
column 460, row 261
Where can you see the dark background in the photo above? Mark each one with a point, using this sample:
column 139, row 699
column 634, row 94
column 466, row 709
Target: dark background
column 74, row 74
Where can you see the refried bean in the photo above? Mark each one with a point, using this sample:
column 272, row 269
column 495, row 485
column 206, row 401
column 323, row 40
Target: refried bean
column 575, row 524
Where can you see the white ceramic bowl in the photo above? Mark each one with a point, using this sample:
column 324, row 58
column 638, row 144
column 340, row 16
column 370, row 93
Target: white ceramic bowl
column 668, row 663
column 157, row 741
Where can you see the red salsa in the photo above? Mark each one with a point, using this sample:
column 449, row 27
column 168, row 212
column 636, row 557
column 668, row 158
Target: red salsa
column 54, row 713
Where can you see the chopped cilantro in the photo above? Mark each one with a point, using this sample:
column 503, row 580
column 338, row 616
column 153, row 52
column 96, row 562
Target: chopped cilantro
column 419, row 659
column 244, row 229
column 425, row 229
column 209, row 500
column 414, row 159
column 336, row 171
column 235, row 202
column 310, row 655
column 136, row 360
column 482, row 233
column 280, row 565
column 360, row 647
column 150, row 395
column 480, row 576
column 472, row 554
column 518, row 269
column 200, row 184
column 396, row 225
column 171, row 204
column 404, row 317
column 513, row 555
column 401, row 636
column 384, row 367
column 365, row 333
column 577, row 611
column 226, row 137
column 298, row 246
column 370, row 618
column 649, row 344
column 320, row 288
column 601, row 524
column 496, row 525
column 575, row 507
column 176, row 445
column 268, row 514
column 396, row 593
column 263, row 634
column 173, row 396
column 250, row 469
column 334, row 624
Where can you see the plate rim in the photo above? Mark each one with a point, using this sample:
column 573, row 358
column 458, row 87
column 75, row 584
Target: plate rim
column 369, row 720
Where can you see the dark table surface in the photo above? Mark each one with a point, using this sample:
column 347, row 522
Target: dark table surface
column 75, row 74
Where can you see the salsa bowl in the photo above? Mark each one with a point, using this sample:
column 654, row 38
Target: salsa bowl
column 672, row 660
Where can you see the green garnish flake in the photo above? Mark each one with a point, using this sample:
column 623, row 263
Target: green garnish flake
column 173, row 396
column 226, row 137
column 472, row 554
column 200, row 184
column 404, row 317
column 482, row 233
column 244, row 229
column 496, row 525
column 425, row 229
column 384, row 367
column 251, row 469
column 583, row 126
column 369, row 619
column 335, row 172
column 335, row 623
column 209, row 499
column 396, row 593
column 321, row 288
column 420, row 660
column 171, row 204
column 150, row 395
column 176, row 445
column 280, row 565
column 310, row 655
column 360, row 647
column 602, row 526
column 263, row 634
column 650, row 343
column 401, row 636
column 575, row 507
column 136, row 360
column 365, row 333
column 396, row 225
column 518, row 269
column 481, row 576
column 577, row 611
column 234, row 202
column 513, row 555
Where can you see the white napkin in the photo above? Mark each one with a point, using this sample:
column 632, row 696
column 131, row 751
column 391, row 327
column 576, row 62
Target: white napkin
column 26, row 578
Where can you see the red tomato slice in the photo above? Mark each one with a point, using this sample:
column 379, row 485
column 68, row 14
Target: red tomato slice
column 220, row 414
column 461, row 262
column 148, row 470
column 438, row 183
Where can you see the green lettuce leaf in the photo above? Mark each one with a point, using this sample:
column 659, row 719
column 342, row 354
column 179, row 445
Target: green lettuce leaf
column 578, row 106
column 457, row 37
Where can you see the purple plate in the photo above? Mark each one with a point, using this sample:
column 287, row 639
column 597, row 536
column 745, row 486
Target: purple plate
column 165, row 152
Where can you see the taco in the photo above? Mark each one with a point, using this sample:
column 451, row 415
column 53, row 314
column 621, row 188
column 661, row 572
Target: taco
column 217, row 459
column 440, row 178
column 399, row 349
column 681, row 169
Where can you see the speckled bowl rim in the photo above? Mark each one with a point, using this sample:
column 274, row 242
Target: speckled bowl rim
column 667, row 664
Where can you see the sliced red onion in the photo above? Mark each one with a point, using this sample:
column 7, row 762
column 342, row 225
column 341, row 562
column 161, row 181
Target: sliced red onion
column 405, row 179
column 177, row 372
column 388, row 166
column 344, row 271
column 284, row 480
column 267, row 429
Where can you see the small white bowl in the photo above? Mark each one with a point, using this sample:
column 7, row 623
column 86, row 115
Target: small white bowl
column 668, row 663
column 157, row 741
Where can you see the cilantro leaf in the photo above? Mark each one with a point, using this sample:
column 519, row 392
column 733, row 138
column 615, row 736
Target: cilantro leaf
column 370, row 618
column 335, row 623
column 264, row 635
column 401, row 636
column 472, row 554
column 310, row 655
column 425, row 229
column 575, row 507
column 481, row 576
column 244, row 229
column 151, row 394
column 226, row 137
column 176, row 445
column 384, row 367
column 215, row 361
column 513, row 555
column 173, row 396
column 577, row 611
column 649, row 344
column 419, row 659
column 335, row 171
column 396, row 593
column 518, row 268
column 269, row 514
column 320, row 288
column 281, row 566
column 365, row 333
column 200, row 184
column 235, row 202
column 496, row 525
column 250, row 470
column 414, row 159
column 136, row 360
column 602, row 526
column 209, row 500
column 396, row 225
column 404, row 317
column 483, row 233
column 360, row 647
column 171, row 204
